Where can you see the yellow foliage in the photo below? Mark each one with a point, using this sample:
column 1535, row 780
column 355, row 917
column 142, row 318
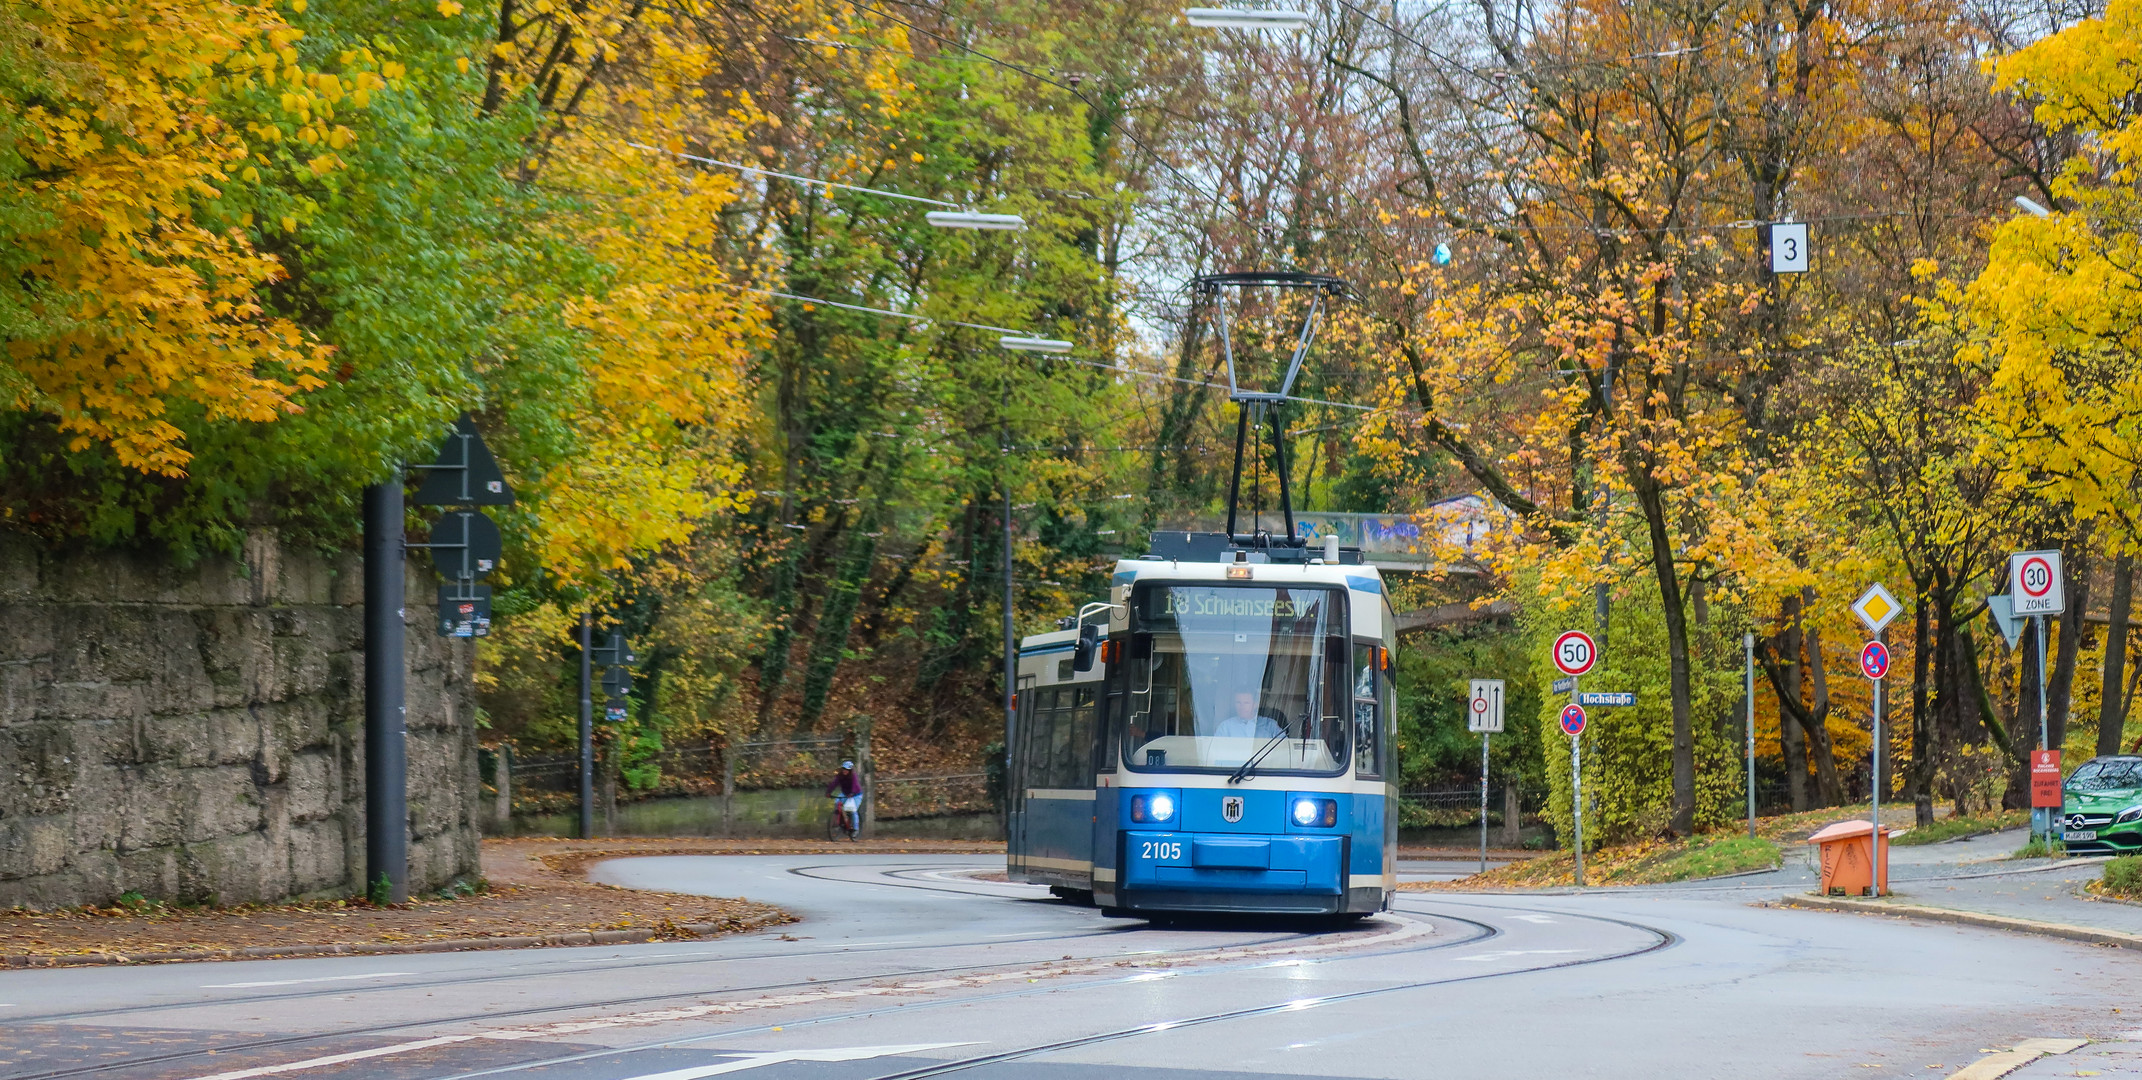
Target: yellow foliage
column 137, row 307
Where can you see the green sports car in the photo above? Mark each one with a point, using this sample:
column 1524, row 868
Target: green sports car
column 2101, row 807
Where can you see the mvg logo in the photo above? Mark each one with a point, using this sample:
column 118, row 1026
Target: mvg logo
column 1231, row 808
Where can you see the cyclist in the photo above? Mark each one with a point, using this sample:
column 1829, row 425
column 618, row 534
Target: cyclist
column 846, row 791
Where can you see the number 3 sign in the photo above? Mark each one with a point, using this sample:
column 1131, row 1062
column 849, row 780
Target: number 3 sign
column 1788, row 247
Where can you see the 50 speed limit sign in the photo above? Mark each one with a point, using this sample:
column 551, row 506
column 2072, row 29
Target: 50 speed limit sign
column 1575, row 653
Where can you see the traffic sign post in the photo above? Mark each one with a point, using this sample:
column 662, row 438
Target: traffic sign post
column 1484, row 715
column 1573, row 726
column 2035, row 588
column 1574, row 653
column 1874, row 664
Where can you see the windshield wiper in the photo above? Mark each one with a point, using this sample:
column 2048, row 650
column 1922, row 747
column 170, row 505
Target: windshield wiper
column 1250, row 766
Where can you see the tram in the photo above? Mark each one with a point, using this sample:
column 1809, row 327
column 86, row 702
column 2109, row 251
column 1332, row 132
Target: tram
column 1215, row 737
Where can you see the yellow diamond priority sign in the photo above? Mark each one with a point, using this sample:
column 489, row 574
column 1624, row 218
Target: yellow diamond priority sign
column 1876, row 608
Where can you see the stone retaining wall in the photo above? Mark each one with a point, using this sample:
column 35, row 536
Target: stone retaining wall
column 197, row 734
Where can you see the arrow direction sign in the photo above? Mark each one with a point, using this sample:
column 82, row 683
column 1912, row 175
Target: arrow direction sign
column 1484, row 707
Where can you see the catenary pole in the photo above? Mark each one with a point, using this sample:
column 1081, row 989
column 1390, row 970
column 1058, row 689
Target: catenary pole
column 386, row 712
column 587, row 725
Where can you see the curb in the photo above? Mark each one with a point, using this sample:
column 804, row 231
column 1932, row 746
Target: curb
column 1965, row 918
column 254, row 952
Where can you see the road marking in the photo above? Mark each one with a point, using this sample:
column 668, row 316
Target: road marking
column 1507, row 954
column 338, row 1059
column 294, row 982
column 857, row 944
column 777, row 1057
column 1540, row 919
column 1409, row 927
column 1994, row 1066
column 634, row 956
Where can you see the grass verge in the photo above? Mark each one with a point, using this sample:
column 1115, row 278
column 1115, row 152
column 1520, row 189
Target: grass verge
column 2040, row 849
column 1651, row 863
column 1956, row 828
column 2123, row 878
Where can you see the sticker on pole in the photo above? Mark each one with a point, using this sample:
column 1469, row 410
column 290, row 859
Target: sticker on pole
column 1573, row 720
column 1874, row 660
column 1484, row 707
column 2034, row 583
column 1575, row 653
column 1876, row 608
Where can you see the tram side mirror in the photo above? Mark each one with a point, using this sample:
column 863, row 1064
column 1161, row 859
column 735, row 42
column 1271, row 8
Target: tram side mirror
column 1089, row 639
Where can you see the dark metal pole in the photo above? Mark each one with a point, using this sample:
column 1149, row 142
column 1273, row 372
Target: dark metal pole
column 386, row 712
column 1234, row 482
column 1011, row 646
column 1279, row 462
column 587, row 725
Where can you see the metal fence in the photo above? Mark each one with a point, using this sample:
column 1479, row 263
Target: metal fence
column 937, row 794
column 550, row 783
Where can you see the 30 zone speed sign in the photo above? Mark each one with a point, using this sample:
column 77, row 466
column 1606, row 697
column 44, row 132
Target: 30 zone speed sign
column 1574, row 653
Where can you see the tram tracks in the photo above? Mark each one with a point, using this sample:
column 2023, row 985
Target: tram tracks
column 812, row 984
column 1664, row 940
column 1212, row 959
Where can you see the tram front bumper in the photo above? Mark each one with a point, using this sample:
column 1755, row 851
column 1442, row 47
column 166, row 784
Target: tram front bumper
column 1238, row 863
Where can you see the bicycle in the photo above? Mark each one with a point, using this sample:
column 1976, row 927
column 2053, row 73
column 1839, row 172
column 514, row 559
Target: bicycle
column 842, row 823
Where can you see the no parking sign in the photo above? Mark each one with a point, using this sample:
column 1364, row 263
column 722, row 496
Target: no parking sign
column 1573, row 720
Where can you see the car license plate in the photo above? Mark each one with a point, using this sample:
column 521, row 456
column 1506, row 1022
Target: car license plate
column 2079, row 834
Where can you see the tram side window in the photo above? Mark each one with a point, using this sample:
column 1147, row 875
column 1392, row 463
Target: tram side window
column 1369, row 721
column 1078, row 762
column 1062, row 741
column 1040, row 739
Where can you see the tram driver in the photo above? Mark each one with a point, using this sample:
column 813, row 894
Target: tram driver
column 1247, row 722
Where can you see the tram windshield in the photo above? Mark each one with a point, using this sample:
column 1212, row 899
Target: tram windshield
column 1223, row 675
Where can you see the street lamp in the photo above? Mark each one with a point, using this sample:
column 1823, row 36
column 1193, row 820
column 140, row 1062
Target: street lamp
column 961, row 219
column 1035, row 344
column 1247, row 18
column 2032, row 207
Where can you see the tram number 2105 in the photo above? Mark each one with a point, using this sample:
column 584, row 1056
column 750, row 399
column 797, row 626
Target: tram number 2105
column 1164, row 850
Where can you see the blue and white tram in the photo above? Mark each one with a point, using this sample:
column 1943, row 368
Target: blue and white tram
column 1215, row 737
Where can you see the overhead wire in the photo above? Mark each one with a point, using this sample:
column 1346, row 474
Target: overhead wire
column 792, row 176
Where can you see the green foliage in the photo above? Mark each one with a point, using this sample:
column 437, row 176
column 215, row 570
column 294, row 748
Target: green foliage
column 2040, row 848
column 1435, row 669
column 1628, row 752
column 2123, row 876
column 381, row 894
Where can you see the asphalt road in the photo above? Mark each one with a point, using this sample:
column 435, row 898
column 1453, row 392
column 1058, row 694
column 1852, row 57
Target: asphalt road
column 904, row 966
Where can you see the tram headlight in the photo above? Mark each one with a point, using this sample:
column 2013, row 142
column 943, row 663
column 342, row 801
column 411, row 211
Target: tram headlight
column 1162, row 808
column 1308, row 812
column 1157, row 808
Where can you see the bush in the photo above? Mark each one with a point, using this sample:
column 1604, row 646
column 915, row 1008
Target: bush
column 2123, row 876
